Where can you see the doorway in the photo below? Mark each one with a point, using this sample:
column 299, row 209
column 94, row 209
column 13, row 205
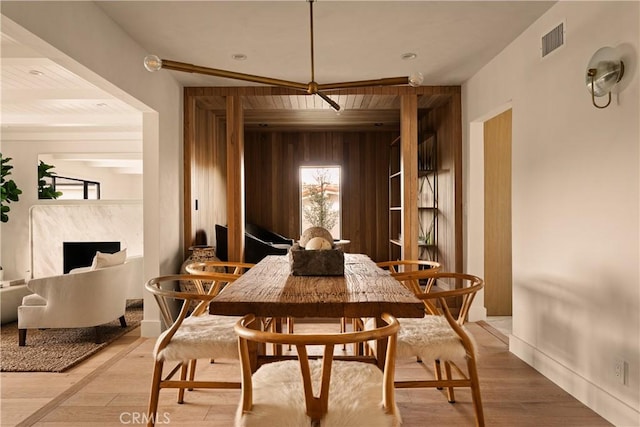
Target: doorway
column 497, row 215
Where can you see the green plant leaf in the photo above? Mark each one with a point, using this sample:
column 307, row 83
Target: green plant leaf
column 9, row 190
column 46, row 191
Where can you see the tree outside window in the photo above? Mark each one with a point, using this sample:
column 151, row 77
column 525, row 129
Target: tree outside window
column 320, row 198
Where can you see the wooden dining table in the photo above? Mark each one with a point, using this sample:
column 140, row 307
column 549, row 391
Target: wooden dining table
column 268, row 290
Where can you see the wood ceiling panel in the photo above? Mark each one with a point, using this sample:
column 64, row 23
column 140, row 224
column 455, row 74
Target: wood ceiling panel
column 362, row 108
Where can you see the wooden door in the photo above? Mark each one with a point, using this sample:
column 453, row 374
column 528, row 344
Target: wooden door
column 497, row 215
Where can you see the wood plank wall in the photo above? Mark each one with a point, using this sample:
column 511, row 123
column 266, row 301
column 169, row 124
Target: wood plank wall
column 364, row 157
column 205, row 178
column 272, row 161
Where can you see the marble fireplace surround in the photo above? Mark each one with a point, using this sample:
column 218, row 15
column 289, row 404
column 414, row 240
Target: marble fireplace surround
column 52, row 224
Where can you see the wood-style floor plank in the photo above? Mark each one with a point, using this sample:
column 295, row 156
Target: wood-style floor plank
column 112, row 389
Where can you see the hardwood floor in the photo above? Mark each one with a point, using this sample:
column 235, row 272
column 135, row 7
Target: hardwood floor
column 112, row 388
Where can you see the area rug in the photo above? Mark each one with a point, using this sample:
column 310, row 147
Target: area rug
column 56, row 350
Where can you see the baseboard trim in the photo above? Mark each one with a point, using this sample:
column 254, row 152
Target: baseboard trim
column 590, row 394
column 493, row 331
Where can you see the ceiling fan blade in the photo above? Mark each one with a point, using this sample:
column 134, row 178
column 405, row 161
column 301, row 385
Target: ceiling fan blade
column 390, row 81
column 190, row 68
column 329, row 101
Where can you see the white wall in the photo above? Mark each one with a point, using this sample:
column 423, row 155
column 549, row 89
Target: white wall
column 576, row 200
column 79, row 36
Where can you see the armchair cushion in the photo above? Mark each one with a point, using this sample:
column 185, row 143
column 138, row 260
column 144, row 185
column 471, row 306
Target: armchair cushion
column 34, row 299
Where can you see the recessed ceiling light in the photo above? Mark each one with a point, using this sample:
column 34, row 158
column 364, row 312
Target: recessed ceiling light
column 408, row 56
column 36, row 72
column 239, row 56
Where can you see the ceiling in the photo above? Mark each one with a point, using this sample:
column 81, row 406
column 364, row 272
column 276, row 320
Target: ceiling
column 354, row 40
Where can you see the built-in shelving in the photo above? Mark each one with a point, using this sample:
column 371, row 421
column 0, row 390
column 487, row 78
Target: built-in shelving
column 426, row 203
column 427, row 197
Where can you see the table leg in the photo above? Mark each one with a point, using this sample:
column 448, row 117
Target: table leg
column 277, row 348
column 254, row 347
column 381, row 345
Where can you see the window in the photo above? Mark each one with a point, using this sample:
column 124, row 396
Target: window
column 72, row 188
column 320, row 198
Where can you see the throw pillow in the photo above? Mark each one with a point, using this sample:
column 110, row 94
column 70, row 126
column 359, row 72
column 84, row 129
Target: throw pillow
column 102, row 260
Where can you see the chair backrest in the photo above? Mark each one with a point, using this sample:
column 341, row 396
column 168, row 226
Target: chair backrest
column 254, row 248
column 317, row 405
column 470, row 285
column 266, row 235
column 163, row 290
column 230, row 270
column 412, row 272
column 230, row 267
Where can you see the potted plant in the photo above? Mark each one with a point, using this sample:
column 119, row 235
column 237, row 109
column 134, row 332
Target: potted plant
column 9, row 190
column 46, row 191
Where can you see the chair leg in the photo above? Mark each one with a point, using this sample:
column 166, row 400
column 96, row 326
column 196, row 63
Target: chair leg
column 155, row 393
column 183, row 377
column 192, row 371
column 437, row 370
column 123, row 322
column 343, row 329
column 475, row 391
column 22, row 337
column 450, row 395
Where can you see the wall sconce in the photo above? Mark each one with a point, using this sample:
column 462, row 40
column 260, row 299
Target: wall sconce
column 604, row 71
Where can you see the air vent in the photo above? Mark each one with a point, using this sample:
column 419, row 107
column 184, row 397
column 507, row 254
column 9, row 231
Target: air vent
column 553, row 40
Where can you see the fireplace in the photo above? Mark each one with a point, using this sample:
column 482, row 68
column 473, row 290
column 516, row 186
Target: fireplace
column 80, row 254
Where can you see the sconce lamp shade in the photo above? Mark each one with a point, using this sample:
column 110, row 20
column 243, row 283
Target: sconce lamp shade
column 604, row 71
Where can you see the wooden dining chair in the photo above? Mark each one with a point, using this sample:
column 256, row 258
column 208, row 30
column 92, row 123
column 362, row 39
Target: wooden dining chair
column 237, row 268
column 212, row 288
column 417, row 275
column 323, row 392
column 192, row 334
column 207, row 267
column 441, row 336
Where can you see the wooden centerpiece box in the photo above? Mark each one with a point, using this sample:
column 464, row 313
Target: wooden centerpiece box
column 328, row 262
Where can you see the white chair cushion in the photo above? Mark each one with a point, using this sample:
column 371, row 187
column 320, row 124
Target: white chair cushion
column 201, row 337
column 355, row 396
column 429, row 338
column 33, row 300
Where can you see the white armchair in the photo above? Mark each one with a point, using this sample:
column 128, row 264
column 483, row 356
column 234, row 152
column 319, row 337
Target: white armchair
column 79, row 300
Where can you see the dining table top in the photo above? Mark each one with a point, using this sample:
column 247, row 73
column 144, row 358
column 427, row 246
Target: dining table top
column 269, row 290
